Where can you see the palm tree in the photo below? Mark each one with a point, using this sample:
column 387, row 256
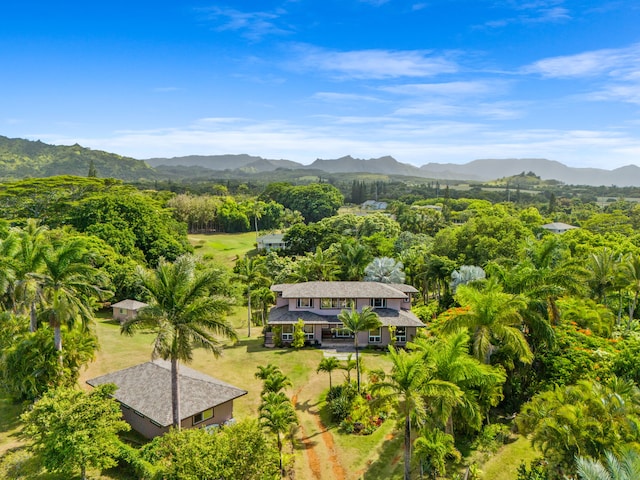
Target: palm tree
column 384, row 270
column 433, row 447
column 29, row 261
column 494, row 320
column 348, row 365
column 267, row 370
column 356, row 322
column 183, row 315
column 449, row 360
column 277, row 415
column 603, row 265
column 627, row 467
column 408, row 385
column 328, row 364
column 250, row 272
column 8, row 250
column 275, row 382
column 630, row 270
column 353, row 258
column 70, row 286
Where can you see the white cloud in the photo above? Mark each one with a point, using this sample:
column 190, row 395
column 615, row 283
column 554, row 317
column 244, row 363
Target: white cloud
column 620, row 63
column 372, row 64
column 366, row 137
column 253, row 25
column 336, row 97
column 459, row 88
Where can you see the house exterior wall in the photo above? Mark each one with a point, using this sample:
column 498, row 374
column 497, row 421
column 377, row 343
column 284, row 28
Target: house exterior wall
column 124, row 315
column 142, row 424
column 292, row 303
column 221, row 413
column 148, row 429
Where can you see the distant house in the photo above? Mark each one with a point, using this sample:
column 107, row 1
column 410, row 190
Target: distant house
column 558, row 227
column 319, row 303
column 374, row 205
column 270, row 242
column 144, row 393
column 126, row 310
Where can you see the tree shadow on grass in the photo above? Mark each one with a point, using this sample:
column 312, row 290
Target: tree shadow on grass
column 389, row 464
column 9, row 415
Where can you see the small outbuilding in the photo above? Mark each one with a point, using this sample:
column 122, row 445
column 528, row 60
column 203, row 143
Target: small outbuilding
column 558, row 227
column 126, row 309
column 144, row 394
column 270, row 242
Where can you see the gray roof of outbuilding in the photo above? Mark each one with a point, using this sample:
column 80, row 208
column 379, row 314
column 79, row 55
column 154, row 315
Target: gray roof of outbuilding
column 343, row 290
column 558, row 226
column 129, row 304
column 388, row 317
column 146, row 388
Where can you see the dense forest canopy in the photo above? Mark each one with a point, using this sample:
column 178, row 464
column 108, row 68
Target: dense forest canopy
column 548, row 322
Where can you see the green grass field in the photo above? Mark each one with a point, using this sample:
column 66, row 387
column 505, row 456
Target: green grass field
column 223, row 248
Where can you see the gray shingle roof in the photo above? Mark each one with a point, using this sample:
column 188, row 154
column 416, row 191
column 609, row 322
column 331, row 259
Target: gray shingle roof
column 146, row 388
column 343, row 290
column 388, row 317
column 129, row 304
column 558, row 226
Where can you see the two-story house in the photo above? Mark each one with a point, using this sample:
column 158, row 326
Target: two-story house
column 319, row 303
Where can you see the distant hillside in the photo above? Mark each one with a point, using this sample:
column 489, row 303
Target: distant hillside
column 490, row 169
column 24, row 158
column 225, row 162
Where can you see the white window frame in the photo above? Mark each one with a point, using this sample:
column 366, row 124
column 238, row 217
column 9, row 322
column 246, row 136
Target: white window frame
column 286, row 335
column 304, row 303
column 309, row 333
column 375, row 335
column 378, row 303
column 401, row 337
column 341, row 332
column 337, row 303
column 203, row 416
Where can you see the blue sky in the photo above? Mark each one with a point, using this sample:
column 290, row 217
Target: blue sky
column 423, row 81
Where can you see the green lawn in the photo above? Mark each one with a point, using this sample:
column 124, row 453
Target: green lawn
column 223, row 248
column 504, row 464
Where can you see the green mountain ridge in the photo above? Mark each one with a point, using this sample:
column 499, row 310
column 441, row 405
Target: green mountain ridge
column 21, row 158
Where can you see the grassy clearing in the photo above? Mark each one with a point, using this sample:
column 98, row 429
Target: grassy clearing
column 9, row 425
column 223, row 248
column 504, row 464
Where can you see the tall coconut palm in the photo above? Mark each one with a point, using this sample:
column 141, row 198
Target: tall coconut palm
column 29, row 262
column 277, row 415
column 71, row 285
column 449, row 360
column 8, row 250
column 250, row 271
column 494, row 320
column 183, row 315
column 356, row 322
column 603, row 265
column 328, row 364
column 408, row 386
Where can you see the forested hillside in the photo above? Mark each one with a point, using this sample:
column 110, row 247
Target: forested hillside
column 24, row 158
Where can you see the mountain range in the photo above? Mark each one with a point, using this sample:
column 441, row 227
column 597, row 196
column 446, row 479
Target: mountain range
column 21, row 158
column 478, row 170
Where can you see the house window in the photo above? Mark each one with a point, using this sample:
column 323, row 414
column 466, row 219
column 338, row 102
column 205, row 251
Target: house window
column 337, row 303
column 401, row 334
column 122, row 310
column 379, row 302
column 375, row 336
column 308, row 332
column 342, row 332
column 202, row 416
column 304, row 302
column 287, row 332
